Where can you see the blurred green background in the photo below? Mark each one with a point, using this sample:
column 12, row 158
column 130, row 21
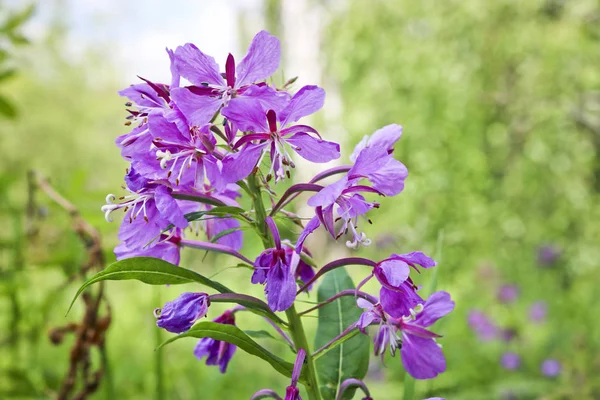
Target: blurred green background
column 500, row 104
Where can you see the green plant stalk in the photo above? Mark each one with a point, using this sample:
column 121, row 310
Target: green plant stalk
column 299, row 338
column 158, row 356
column 295, row 323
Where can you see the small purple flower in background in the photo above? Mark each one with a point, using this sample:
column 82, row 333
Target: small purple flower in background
column 551, row 368
column 180, row 314
column 217, row 352
column 485, row 329
column 508, row 293
column 510, row 361
column 538, row 311
column 508, row 334
column 548, row 255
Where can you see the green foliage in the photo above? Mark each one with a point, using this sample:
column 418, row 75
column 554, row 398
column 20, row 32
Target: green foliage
column 351, row 358
column 233, row 334
column 501, row 139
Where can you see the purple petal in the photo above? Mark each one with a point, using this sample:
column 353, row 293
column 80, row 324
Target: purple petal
column 422, row 358
column 329, row 194
column 197, row 67
column 384, row 138
column 280, row 288
column 308, row 100
column 165, row 250
column 247, row 113
column 134, row 181
column 261, row 60
column 218, row 225
column 168, row 207
column 510, row 360
column 310, row 227
column 143, row 96
column 437, row 305
column 197, row 109
column 399, row 303
column 138, row 233
column 369, row 161
column 174, row 73
column 269, row 98
column 161, row 128
column 416, row 258
column 180, row 314
column 389, row 179
column 237, row 166
column 392, row 272
column 312, row 149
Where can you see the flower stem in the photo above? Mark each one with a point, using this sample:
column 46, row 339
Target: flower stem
column 299, row 338
column 295, row 323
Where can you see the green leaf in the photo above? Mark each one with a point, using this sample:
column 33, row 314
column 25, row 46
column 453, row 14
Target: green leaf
column 262, row 334
column 234, row 335
column 9, row 73
column 351, row 358
column 152, row 271
column 7, row 109
column 16, row 20
column 252, row 304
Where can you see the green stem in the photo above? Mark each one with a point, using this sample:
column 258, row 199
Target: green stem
column 158, row 356
column 299, row 338
column 295, row 323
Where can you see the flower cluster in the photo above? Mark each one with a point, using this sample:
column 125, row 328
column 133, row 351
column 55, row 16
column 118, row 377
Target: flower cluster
column 214, row 134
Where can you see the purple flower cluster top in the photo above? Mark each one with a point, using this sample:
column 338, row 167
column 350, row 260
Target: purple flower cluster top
column 217, row 132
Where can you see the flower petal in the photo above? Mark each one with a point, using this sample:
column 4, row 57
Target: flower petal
column 437, row 305
column 261, row 60
column 168, row 207
column 329, row 194
column 197, row 67
column 398, row 303
column 198, row 109
column 247, row 113
column 392, row 272
column 383, row 138
column 239, row 165
column 312, row 149
column 308, row 100
column 416, row 258
column 280, row 288
column 422, row 358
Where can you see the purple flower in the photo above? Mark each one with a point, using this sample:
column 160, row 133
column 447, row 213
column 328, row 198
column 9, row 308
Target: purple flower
column 547, row 255
column 551, row 367
column 167, row 248
column 538, row 311
column 217, row 352
column 150, row 210
column 276, row 268
column 508, row 293
column 510, row 361
column 212, row 90
column 292, row 392
column 422, row 357
column 485, row 329
column 180, row 314
column 373, row 162
column 271, row 130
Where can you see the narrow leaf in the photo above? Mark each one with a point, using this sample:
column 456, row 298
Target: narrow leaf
column 152, row 271
column 234, row 335
column 251, row 303
column 350, row 359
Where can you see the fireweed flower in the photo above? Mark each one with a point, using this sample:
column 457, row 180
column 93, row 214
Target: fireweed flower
column 291, row 392
column 421, row 355
column 180, row 314
column 551, row 368
column 276, row 268
column 508, row 293
column 217, row 352
column 271, row 130
column 510, row 360
column 374, row 162
column 547, row 255
column 211, row 90
column 149, row 210
column 538, row 311
column 167, row 248
column 485, row 329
